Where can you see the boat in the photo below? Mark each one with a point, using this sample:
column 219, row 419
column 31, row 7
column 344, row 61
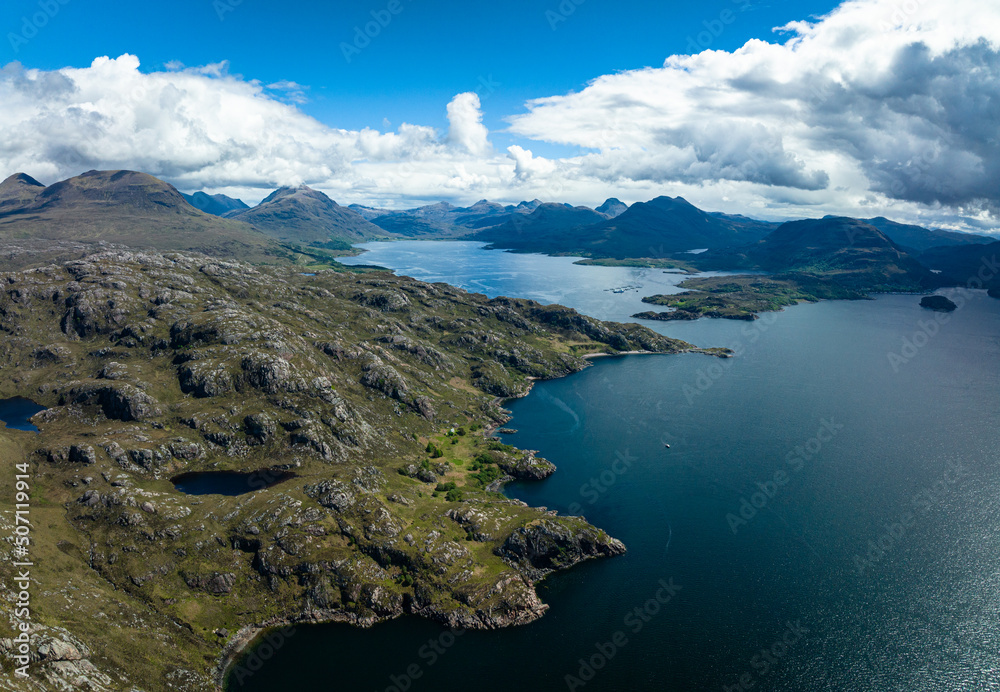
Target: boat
column 666, row 445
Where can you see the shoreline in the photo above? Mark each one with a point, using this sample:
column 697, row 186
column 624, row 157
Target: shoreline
column 247, row 634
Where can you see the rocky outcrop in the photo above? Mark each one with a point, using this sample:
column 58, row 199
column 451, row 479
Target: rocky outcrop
column 554, row 543
column 118, row 400
column 386, row 379
column 59, row 661
column 523, row 467
column 215, row 583
column 937, row 303
column 205, row 378
column 667, row 316
column 385, row 300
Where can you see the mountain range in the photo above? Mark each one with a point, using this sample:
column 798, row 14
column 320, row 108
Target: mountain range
column 216, row 205
column 303, row 215
column 138, row 210
column 123, row 207
column 850, row 252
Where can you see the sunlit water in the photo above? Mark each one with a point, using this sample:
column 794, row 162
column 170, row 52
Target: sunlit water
column 864, row 432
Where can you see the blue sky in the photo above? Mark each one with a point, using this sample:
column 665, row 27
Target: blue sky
column 427, row 53
column 859, row 108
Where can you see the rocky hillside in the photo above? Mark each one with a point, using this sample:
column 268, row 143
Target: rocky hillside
column 124, row 207
column 303, row 215
column 918, row 239
column 844, row 252
column 654, row 229
column 548, row 221
column 373, row 391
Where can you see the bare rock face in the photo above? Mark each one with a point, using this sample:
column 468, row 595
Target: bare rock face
column 269, row 373
column 82, row 454
column 334, row 494
column 118, row 400
column 387, row 380
column 205, row 378
column 58, row 650
column 386, row 300
column 556, row 543
column 260, row 427
column 94, row 310
column 215, row 583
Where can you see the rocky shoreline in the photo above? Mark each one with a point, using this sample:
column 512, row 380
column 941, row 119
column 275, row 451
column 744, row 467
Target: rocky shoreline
column 372, row 387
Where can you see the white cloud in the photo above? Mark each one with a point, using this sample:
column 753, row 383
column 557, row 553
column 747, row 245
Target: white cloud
column 466, row 120
column 526, row 165
column 876, row 104
column 881, row 107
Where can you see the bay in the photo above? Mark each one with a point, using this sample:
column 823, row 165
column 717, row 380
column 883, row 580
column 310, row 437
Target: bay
column 826, row 516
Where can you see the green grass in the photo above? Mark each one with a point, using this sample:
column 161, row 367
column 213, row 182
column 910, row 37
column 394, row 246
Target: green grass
column 745, row 296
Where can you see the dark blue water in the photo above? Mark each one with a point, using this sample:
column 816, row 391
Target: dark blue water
column 17, row 412
column 866, row 434
column 228, row 482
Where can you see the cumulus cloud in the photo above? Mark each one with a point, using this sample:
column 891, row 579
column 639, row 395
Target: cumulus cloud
column 201, row 127
column 527, row 165
column 466, row 124
column 880, row 107
column 895, row 100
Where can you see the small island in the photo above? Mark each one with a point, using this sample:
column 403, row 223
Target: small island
column 937, row 303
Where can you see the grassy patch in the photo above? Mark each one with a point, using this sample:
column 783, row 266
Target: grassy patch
column 743, row 297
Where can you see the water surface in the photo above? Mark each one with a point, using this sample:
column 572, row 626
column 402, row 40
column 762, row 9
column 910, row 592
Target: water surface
column 16, row 413
column 866, row 434
column 229, row 483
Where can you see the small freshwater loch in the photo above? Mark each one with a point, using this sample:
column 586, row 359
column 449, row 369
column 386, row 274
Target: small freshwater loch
column 826, row 516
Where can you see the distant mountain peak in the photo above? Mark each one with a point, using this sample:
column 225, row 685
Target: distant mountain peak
column 612, row 207
column 216, row 205
column 303, row 215
column 20, row 179
column 121, row 206
column 19, row 191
